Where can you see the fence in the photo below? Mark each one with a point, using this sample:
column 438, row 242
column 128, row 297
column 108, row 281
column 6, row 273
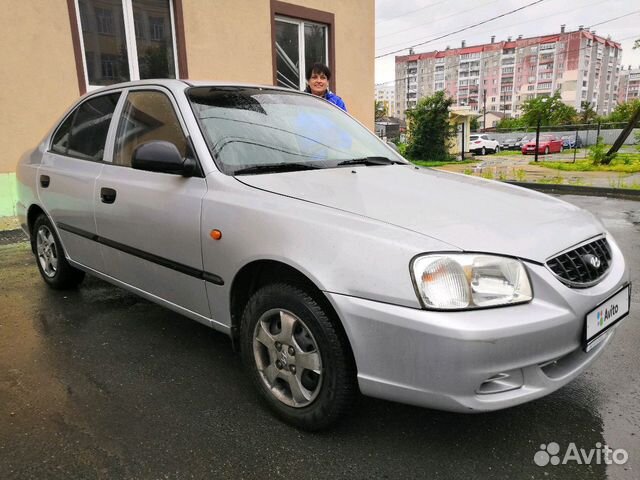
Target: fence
column 575, row 137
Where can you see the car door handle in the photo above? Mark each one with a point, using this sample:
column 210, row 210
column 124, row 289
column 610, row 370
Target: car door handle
column 45, row 180
column 107, row 195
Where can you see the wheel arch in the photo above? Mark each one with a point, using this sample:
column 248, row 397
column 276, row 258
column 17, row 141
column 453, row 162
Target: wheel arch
column 258, row 273
column 33, row 212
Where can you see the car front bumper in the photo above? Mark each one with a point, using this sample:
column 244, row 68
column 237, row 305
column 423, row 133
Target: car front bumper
column 475, row 361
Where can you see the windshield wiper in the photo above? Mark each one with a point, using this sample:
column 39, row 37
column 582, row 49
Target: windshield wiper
column 370, row 161
column 274, row 168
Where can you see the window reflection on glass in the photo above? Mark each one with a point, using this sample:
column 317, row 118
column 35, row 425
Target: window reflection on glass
column 314, row 44
column 84, row 133
column 147, row 116
column 287, row 52
column 104, row 21
column 104, row 41
column 155, row 49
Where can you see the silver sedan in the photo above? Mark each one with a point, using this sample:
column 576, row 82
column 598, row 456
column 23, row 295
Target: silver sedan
column 334, row 265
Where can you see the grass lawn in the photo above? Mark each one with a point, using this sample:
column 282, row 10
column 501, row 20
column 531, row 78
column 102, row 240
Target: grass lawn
column 434, row 163
column 504, row 153
column 624, row 163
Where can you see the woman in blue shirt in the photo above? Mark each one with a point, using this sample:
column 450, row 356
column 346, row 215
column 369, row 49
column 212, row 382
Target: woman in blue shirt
column 318, row 76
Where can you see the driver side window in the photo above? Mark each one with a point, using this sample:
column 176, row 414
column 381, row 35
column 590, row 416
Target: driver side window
column 147, row 116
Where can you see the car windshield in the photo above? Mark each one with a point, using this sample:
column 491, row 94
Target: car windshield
column 546, row 138
column 260, row 130
column 473, row 137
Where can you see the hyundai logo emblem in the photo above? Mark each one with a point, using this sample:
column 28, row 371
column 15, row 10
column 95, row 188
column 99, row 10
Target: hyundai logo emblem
column 592, row 260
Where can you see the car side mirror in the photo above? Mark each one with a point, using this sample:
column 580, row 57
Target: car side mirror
column 163, row 157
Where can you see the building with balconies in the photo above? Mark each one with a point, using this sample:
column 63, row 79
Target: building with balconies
column 501, row 76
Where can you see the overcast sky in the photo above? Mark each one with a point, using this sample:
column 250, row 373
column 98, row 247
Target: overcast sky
column 400, row 24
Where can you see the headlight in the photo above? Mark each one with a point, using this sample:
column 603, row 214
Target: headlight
column 466, row 281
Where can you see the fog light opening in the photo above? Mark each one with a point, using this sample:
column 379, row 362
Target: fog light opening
column 501, row 382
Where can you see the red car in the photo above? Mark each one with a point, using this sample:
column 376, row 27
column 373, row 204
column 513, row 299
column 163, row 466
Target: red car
column 546, row 144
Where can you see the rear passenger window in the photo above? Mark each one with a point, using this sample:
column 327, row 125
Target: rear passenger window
column 147, row 116
column 84, row 133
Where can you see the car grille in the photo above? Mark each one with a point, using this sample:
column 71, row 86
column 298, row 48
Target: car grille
column 575, row 268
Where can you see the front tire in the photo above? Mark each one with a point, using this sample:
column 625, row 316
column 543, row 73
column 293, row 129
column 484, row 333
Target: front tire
column 50, row 258
column 300, row 360
column 546, row 150
column 497, row 150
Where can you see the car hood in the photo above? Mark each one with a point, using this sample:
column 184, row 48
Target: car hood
column 467, row 212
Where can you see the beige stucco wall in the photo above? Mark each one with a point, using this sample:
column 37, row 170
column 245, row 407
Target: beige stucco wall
column 38, row 79
column 231, row 40
column 225, row 40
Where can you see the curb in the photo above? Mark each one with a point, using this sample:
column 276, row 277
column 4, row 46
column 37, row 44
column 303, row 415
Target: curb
column 621, row 193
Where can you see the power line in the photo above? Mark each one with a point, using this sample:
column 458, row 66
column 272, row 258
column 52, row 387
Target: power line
column 412, row 11
column 468, row 27
column 434, row 20
column 529, row 20
column 616, row 18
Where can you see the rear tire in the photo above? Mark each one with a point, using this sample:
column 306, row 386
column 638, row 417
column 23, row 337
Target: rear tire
column 483, row 151
column 546, row 150
column 299, row 360
column 50, row 258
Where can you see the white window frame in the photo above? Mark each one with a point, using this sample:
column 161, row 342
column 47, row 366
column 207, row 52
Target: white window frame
column 130, row 39
column 301, row 45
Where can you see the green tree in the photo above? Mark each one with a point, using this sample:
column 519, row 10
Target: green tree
column 587, row 113
column 511, row 123
column 623, row 111
column 550, row 110
column 380, row 109
column 429, row 128
column 474, row 125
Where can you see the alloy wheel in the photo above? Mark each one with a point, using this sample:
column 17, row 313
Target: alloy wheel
column 287, row 358
column 47, row 251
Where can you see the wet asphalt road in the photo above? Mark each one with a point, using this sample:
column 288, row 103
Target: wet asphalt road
column 98, row 383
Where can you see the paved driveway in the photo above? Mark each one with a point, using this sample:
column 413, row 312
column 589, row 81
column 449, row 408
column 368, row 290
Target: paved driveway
column 98, row 383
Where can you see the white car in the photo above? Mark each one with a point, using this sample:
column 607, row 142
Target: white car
column 482, row 144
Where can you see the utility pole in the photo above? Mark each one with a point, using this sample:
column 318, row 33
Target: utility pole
column 484, row 110
column 538, row 136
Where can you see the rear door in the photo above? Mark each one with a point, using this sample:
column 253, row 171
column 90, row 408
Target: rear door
column 149, row 222
column 68, row 174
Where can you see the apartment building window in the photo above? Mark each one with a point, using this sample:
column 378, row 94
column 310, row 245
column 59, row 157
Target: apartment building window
column 104, row 21
column 111, row 33
column 157, row 28
column 544, row 86
column 531, row 87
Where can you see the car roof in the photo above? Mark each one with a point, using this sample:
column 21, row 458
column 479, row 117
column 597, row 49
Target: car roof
column 180, row 85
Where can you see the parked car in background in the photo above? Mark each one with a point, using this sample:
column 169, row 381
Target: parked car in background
column 524, row 140
column 274, row 217
column 546, row 144
column 569, row 141
column 481, row 144
column 511, row 143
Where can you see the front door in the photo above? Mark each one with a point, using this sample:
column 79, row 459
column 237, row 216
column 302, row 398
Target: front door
column 149, row 222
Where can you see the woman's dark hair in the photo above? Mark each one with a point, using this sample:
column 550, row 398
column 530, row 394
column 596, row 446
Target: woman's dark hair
column 319, row 68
